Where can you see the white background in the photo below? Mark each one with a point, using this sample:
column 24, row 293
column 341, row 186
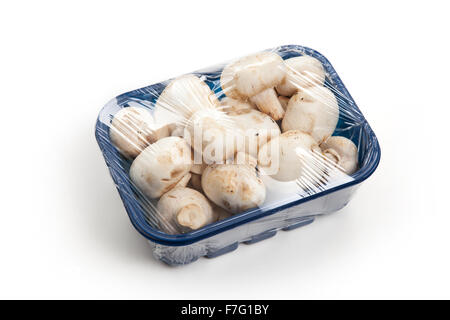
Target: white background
column 63, row 230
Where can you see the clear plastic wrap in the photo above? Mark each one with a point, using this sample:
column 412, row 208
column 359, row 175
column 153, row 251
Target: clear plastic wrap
column 236, row 152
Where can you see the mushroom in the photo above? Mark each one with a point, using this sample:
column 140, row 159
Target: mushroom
column 314, row 111
column 342, row 152
column 283, row 101
column 228, row 104
column 301, row 72
column 233, row 187
column 257, row 127
column 184, row 210
column 161, row 166
column 181, row 98
column 214, row 135
column 254, row 77
column 133, row 129
column 292, row 155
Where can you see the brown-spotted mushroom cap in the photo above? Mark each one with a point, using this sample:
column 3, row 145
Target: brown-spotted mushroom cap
column 343, row 152
column 233, row 187
column 257, row 127
column 184, row 209
column 254, row 77
column 292, row 155
column 181, row 98
column 133, row 129
column 314, row 111
column 301, row 72
column 161, row 166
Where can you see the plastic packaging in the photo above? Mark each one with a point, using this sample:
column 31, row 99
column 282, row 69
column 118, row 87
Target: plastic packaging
column 233, row 153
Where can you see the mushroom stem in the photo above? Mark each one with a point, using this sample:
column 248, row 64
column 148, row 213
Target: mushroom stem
column 267, row 102
column 191, row 216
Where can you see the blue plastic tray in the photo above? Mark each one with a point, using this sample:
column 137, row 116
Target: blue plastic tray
column 360, row 133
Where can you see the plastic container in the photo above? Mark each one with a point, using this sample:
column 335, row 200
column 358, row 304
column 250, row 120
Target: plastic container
column 255, row 224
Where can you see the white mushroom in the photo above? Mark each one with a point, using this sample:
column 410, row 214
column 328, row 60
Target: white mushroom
column 257, row 127
column 214, row 135
column 314, row 111
column 233, row 187
column 161, row 166
column 228, row 104
column 184, row 210
column 181, row 98
column 301, row 72
column 343, row 152
column 255, row 77
column 292, row 155
column 133, row 129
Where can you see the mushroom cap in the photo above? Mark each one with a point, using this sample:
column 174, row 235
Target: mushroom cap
column 257, row 127
column 133, row 129
column 235, row 188
column 250, row 75
column 184, row 209
column 214, row 135
column 292, row 155
column 228, row 104
column 343, row 151
column 181, row 98
column 314, row 111
column 161, row 166
column 301, row 72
